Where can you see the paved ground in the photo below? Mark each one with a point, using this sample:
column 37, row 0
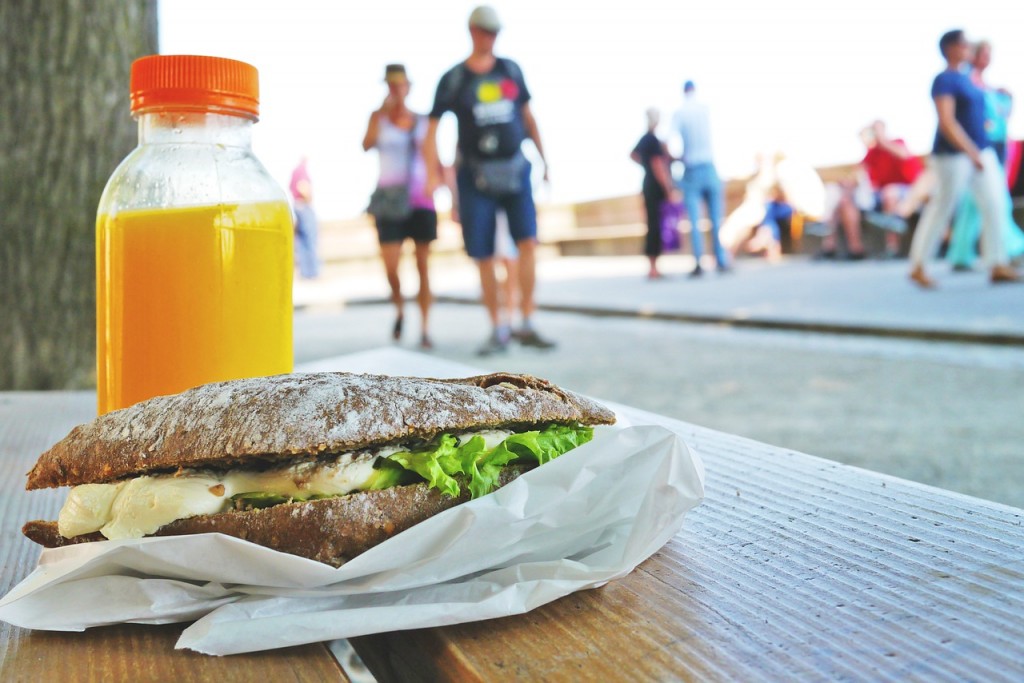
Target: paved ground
column 941, row 413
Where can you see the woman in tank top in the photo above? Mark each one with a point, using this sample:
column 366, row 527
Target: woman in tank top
column 397, row 135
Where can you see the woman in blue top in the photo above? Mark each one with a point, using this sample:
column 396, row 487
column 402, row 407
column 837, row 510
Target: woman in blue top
column 964, row 238
column 963, row 159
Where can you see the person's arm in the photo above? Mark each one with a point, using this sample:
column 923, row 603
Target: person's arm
column 677, row 132
column 663, row 174
column 533, row 133
column 448, row 173
column 373, row 128
column 950, row 128
column 430, row 157
column 894, row 148
column 659, row 167
column 372, row 131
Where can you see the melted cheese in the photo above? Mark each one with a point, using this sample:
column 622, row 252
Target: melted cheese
column 138, row 507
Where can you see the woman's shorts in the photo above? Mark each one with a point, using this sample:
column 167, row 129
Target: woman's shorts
column 420, row 226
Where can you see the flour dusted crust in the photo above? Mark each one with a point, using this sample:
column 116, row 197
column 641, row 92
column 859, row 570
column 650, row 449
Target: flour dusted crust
column 332, row 531
column 251, row 421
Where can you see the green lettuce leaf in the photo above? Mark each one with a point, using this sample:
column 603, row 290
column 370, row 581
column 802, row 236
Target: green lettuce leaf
column 385, row 477
column 447, row 465
column 440, row 462
column 436, row 464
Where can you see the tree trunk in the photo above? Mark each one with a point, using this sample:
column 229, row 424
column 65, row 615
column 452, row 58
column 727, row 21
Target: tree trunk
column 64, row 127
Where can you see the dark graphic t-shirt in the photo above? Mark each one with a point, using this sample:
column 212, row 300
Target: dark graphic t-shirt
column 488, row 108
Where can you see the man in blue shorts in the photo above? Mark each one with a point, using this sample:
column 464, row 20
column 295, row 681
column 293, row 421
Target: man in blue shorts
column 490, row 100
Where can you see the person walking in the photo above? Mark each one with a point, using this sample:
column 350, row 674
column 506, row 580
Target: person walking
column 700, row 180
column 301, row 187
column 491, row 102
column 651, row 153
column 403, row 205
column 964, row 237
column 963, row 158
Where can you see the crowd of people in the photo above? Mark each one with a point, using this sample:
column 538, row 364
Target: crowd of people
column 490, row 184
column 961, row 193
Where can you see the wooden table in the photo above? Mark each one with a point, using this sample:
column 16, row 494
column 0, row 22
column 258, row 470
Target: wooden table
column 793, row 568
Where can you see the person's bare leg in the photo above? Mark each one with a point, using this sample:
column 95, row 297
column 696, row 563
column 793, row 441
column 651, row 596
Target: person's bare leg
column 424, row 297
column 828, row 241
column 849, row 218
column 527, row 335
column 772, row 249
column 653, row 273
column 527, row 275
column 489, row 289
column 390, row 253
column 742, row 244
column 891, row 205
column 917, row 195
column 509, row 290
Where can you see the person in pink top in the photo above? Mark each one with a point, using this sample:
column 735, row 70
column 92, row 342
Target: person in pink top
column 397, row 134
column 305, row 221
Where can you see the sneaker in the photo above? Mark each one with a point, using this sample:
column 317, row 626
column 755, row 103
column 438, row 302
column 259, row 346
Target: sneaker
column 886, row 221
column 531, row 338
column 696, row 272
column 494, row 344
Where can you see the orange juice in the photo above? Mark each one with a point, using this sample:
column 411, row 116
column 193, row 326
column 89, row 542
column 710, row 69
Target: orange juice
column 192, row 295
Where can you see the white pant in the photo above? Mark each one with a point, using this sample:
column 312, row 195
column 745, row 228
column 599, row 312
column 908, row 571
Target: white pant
column 956, row 174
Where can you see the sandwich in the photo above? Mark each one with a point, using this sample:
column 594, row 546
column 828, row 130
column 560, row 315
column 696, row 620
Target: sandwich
column 320, row 465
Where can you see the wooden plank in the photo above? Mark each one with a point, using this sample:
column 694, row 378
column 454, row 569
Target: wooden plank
column 131, row 652
column 29, row 423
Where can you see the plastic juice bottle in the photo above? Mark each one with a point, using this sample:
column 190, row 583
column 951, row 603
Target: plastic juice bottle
column 193, row 240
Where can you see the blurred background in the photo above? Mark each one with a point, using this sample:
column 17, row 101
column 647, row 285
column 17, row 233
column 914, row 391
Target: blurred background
column 795, row 75
column 841, row 360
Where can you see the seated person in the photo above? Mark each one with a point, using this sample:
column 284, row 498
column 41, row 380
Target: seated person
column 767, row 237
column 843, row 212
column 781, row 188
column 898, row 180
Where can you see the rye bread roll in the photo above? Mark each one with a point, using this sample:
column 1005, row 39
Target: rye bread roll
column 273, row 421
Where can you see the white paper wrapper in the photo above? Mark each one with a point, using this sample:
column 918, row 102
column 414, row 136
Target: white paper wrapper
column 580, row 521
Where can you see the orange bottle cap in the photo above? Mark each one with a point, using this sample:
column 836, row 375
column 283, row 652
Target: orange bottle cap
column 195, row 82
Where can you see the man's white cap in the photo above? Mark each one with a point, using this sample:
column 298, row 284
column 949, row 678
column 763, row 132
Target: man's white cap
column 486, row 18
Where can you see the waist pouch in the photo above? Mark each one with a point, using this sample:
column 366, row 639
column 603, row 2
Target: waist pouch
column 499, row 177
column 390, row 203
